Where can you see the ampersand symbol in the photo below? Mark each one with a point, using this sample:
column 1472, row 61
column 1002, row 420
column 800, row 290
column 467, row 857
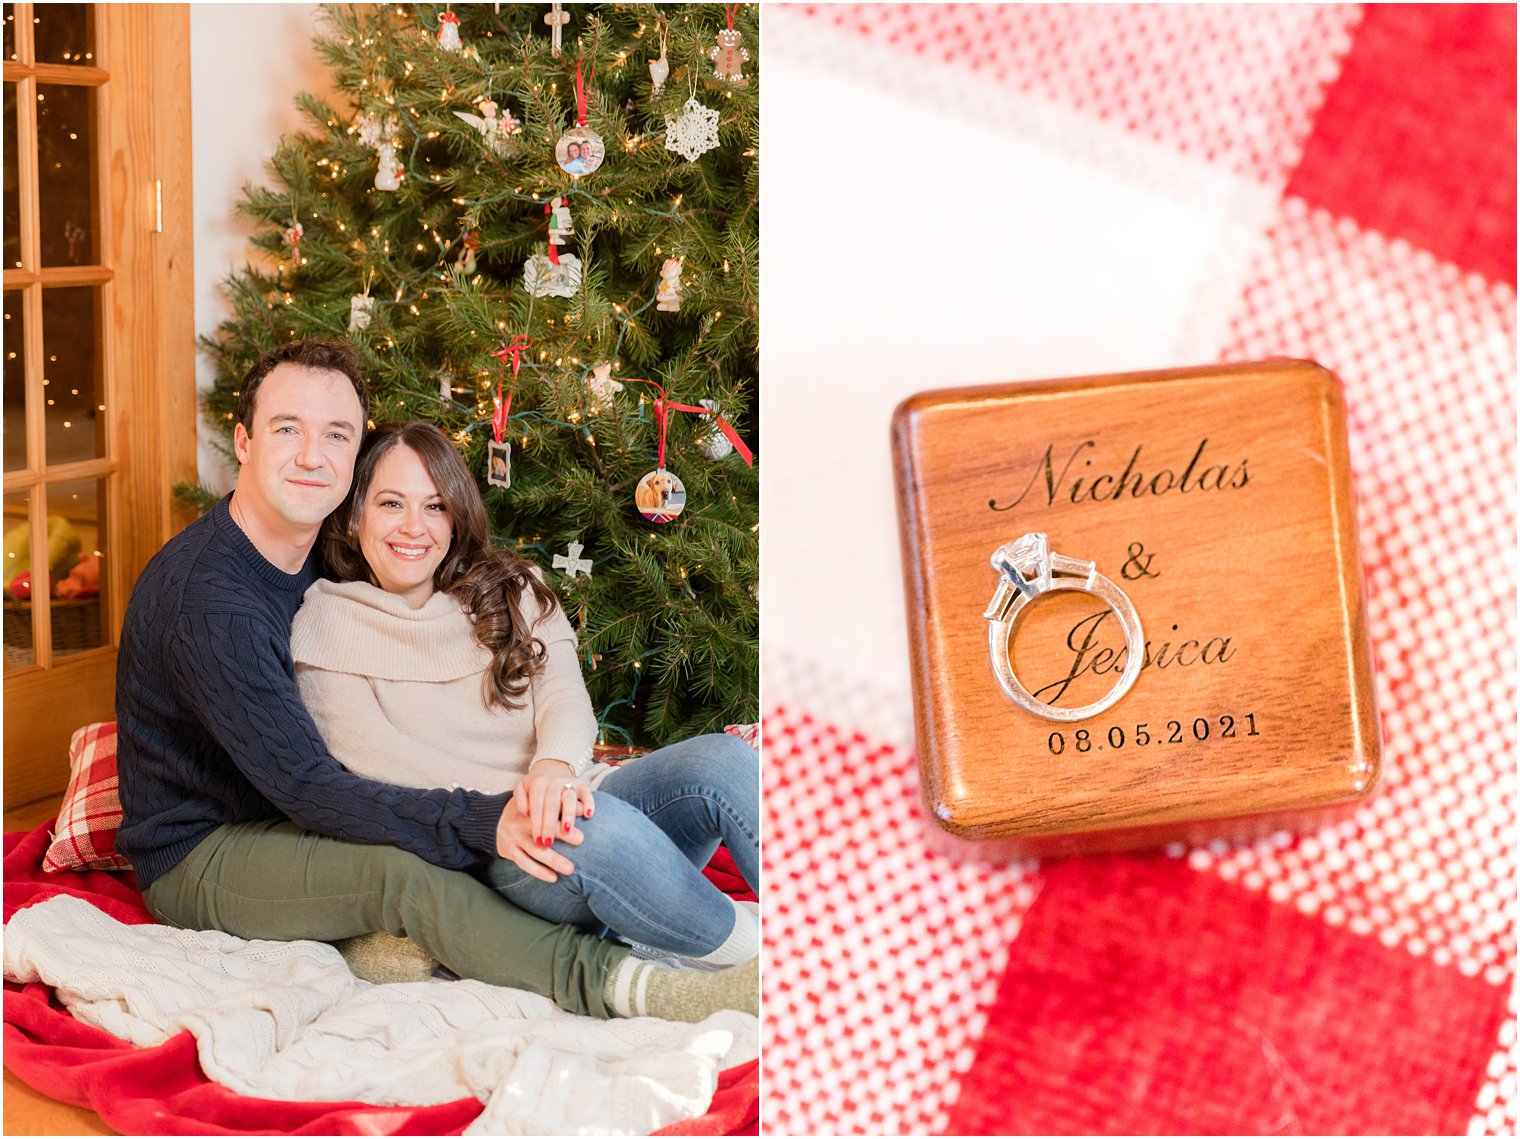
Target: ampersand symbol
column 1139, row 561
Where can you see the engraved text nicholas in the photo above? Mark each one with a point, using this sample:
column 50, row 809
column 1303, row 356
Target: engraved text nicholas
column 1071, row 477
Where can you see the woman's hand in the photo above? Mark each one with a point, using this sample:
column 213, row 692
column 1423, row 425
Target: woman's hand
column 516, row 843
column 552, row 798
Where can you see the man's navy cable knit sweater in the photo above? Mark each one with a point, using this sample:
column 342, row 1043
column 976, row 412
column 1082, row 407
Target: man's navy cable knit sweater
column 211, row 728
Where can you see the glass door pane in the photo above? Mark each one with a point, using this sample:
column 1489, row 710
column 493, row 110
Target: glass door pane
column 14, row 340
column 65, row 33
column 76, row 545
column 71, row 375
column 16, row 578
column 12, row 183
column 66, row 198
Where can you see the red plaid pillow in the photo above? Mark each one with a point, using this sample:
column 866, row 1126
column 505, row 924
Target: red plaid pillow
column 84, row 837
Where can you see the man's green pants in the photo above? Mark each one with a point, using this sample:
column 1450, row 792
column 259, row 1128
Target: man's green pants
column 271, row 880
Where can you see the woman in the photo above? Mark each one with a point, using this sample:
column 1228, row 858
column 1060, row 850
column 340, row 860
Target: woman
column 434, row 661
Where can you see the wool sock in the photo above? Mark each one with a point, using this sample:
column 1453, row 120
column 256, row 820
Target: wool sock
column 382, row 959
column 640, row 988
column 741, row 944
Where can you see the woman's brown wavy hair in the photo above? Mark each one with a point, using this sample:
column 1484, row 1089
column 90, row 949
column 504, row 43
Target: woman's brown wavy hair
column 490, row 584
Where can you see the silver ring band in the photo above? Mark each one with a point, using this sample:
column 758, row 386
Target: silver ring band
column 1026, row 569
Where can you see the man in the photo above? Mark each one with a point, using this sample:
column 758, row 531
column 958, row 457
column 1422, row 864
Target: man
column 236, row 818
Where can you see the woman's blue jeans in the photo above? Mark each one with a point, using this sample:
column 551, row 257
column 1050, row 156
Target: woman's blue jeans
column 656, row 822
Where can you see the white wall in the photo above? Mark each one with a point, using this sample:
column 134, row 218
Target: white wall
column 248, row 63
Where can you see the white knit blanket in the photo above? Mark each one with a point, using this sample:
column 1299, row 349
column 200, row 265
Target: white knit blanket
column 286, row 1020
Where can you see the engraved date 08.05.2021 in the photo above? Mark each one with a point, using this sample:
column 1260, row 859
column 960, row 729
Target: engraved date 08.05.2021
column 1201, row 730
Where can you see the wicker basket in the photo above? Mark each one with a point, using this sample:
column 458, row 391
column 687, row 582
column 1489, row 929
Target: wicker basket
column 76, row 624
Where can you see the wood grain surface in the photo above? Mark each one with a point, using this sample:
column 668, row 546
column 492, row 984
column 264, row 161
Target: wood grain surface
column 1219, row 499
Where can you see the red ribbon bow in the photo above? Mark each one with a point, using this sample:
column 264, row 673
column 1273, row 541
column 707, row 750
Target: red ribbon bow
column 663, row 405
column 450, row 18
column 504, row 406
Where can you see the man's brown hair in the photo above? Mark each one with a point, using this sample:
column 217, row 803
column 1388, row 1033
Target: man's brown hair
column 326, row 355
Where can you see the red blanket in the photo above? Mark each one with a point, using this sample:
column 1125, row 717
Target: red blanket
column 162, row 1091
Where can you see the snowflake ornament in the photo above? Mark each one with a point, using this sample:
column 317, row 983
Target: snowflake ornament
column 694, row 132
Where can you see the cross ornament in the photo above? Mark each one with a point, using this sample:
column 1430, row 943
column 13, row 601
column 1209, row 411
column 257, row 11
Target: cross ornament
column 556, row 19
column 572, row 562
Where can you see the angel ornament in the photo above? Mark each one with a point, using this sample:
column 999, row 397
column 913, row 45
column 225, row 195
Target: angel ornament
column 390, row 173
column 668, row 294
column 659, row 69
column 448, row 32
column 496, row 131
column 561, row 226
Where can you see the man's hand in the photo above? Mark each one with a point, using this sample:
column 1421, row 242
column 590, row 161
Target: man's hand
column 515, row 841
column 552, row 798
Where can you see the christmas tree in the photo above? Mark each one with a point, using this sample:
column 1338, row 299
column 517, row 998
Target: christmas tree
column 549, row 203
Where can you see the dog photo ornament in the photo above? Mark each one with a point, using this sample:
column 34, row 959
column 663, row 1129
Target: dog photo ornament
column 660, row 496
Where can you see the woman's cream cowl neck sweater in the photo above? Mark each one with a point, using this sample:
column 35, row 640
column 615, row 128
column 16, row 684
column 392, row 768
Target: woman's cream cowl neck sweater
column 399, row 693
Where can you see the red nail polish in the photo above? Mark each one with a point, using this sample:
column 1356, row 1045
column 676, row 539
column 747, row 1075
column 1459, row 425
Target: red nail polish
column 567, row 828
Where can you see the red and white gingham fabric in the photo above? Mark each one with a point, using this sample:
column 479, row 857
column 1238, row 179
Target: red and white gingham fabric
column 84, row 837
column 984, row 193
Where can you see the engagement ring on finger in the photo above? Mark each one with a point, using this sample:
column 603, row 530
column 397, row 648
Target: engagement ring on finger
column 1026, row 569
column 569, row 786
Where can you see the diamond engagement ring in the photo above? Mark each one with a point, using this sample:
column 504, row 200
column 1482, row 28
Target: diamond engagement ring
column 1026, row 569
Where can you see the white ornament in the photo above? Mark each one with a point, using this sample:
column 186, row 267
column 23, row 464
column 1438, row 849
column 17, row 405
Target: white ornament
column 694, row 132
column 601, row 383
column 390, row 173
column 445, row 380
column 668, row 294
column 659, row 70
column 543, row 278
column 497, row 132
column 361, row 310
column 374, row 130
column 572, row 562
column 556, row 19
column 714, row 444
column 448, row 32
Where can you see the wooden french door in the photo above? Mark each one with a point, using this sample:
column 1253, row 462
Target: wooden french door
column 98, row 346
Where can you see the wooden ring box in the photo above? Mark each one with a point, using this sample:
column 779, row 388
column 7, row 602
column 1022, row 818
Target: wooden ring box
column 1219, row 500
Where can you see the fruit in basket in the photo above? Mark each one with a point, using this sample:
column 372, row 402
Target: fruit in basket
column 63, row 552
column 21, row 586
column 83, row 579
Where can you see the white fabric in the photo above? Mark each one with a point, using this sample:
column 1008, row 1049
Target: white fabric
column 287, row 1021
